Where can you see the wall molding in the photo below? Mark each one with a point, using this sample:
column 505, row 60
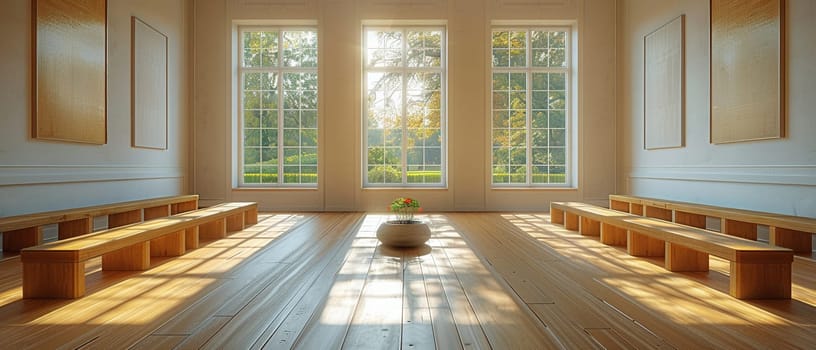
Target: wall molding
column 17, row 175
column 792, row 175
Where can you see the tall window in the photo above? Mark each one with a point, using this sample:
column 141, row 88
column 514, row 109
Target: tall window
column 404, row 106
column 278, row 98
column 530, row 113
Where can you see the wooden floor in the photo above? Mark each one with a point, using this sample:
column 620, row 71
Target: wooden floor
column 485, row 281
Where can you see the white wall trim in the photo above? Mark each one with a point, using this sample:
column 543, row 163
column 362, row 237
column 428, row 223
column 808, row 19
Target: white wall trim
column 14, row 175
column 796, row 175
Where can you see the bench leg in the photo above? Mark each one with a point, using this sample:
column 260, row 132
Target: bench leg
column 690, row 219
column 191, row 238
column 133, row 258
column 619, row 205
column 157, row 212
column 589, row 227
column 53, row 280
column 251, row 216
column 798, row 241
column 235, row 222
column 168, row 245
column 740, row 229
column 183, row 207
column 15, row 240
column 556, row 216
column 638, row 244
column 683, row 259
column 126, row 218
column 613, row 235
column 571, row 221
column 73, row 228
column 213, row 230
column 760, row 281
column 659, row 213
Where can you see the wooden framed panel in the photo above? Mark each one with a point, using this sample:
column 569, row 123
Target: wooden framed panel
column 747, row 70
column 664, row 86
column 149, row 86
column 69, row 75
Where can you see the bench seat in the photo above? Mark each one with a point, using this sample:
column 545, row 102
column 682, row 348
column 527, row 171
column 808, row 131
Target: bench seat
column 794, row 232
column 757, row 271
column 57, row 269
column 25, row 230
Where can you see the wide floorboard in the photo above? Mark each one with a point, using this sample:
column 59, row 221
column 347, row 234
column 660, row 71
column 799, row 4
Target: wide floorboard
column 484, row 281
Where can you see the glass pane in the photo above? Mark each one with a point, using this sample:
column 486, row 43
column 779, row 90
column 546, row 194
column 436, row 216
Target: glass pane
column 384, row 48
column 557, row 119
column 557, row 100
column 540, row 137
column 558, row 39
column 501, row 39
column 501, row 57
column 518, row 174
column 540, row 81
column 540, row 100
column 252, row 174
column 501, row 81
column 252, row 100
column 540, row 156
column 252, row 156
column 252, row 137
column 269, row 137
column 557, row 57
column 557, row 81
column 308, row 119
column 501, row 156
column 291, row 137
column 501, row 119
column 557, row 156
column 538, row 39
column 539, row 119
column 557, row 137
column 252, row 118
column 308, row 137
column 269, row 100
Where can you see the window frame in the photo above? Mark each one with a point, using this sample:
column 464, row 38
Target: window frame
column 404, row 71
column 528, row 69
column 280, row 69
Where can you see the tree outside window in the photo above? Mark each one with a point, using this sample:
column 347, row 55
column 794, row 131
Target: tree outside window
column 278, row 73
column 529, row 107
column 404, row 106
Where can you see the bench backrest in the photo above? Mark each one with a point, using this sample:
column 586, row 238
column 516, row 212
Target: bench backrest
column 95, row 244
column 798, row 223
column 12, row 223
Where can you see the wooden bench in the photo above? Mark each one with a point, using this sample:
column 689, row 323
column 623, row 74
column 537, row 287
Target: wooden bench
column 794, row 232
column 57, row 269
column 758, row 271
column 27, row 230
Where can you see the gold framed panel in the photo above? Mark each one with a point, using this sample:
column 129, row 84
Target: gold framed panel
column 747, row 70
column 69, row 74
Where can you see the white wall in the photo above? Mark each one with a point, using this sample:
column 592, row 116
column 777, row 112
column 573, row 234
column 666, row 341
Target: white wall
column 40, row 175
column 771, row 175
column 468, row 24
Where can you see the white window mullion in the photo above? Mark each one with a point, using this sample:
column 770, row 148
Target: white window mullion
column 404, row 117
column 279, row 88
column 528, row 93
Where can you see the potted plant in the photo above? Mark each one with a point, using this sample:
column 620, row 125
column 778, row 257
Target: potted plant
column 405, row 231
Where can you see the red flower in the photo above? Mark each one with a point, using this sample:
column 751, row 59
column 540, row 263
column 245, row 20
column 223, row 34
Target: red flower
column 407, row 200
